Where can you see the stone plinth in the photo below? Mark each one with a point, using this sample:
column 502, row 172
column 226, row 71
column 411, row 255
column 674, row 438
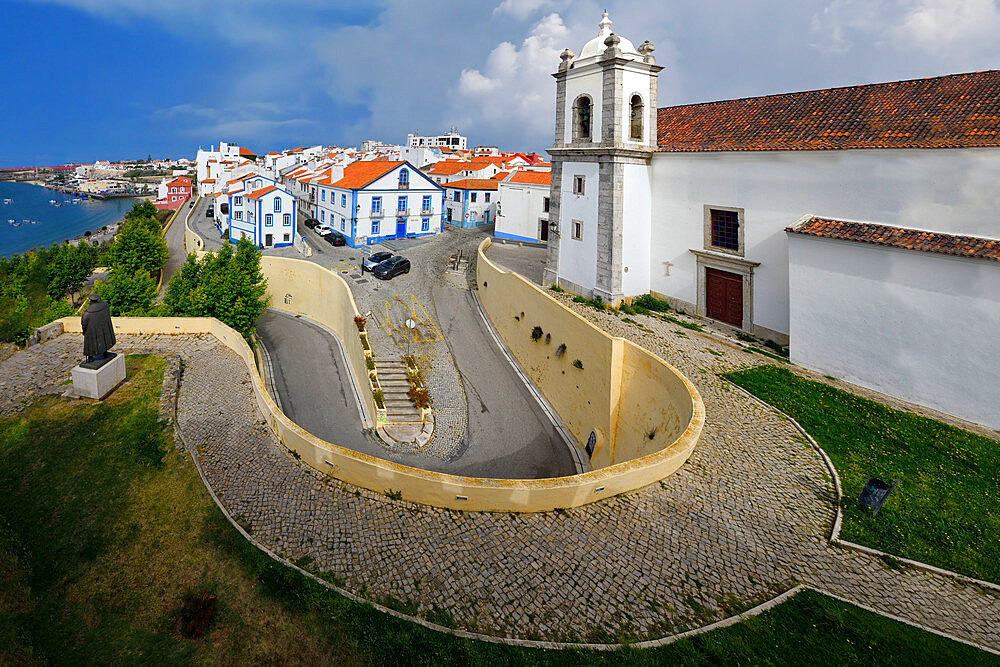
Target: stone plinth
column 98, row 383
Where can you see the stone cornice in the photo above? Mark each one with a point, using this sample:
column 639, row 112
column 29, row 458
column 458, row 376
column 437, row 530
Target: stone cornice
column 589, row 154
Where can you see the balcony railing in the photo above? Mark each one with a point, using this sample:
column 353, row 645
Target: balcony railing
column 426, row 211
column 402, row 212
column 376, row 214
column 404, row 186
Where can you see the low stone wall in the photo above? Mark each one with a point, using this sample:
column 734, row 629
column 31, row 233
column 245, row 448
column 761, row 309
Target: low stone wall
column 637, row 406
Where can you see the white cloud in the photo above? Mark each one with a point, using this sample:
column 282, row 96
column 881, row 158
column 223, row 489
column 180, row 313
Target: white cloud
column 522, row 9
column 949, row 27
column 514, row 91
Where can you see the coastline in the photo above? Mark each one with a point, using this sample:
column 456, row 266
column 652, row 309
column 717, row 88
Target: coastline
column 101, row 233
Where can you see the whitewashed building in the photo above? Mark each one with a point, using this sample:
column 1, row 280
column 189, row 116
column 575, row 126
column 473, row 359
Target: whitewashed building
column 372, row 201
column 523, row 210
column 471, row 202
column 691, row 203
column 451, row 139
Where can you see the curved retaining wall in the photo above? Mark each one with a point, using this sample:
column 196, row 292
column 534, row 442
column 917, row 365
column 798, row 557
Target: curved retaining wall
column 322, row 295
column 639, row 409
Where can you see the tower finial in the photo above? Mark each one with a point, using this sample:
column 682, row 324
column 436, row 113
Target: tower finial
column 605, row 25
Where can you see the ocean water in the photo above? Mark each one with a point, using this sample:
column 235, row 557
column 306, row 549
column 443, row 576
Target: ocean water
column 52, row 224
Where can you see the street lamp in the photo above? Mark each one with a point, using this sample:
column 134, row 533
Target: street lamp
column 554, row 228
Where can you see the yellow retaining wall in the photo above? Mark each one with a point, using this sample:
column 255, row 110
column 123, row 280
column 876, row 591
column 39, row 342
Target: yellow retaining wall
column 622, row 391
column 634, row 402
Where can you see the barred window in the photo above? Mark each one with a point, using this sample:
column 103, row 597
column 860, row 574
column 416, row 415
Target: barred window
column 725, row 229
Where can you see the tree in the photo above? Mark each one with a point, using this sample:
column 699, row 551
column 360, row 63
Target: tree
column 127, row 293
column 226, row 285
column 141, row 209
column 138, row 248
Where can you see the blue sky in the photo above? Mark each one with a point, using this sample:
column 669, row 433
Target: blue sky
column 112, row 79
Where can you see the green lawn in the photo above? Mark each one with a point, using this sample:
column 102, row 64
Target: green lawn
column 108, row 539
column 946, row 511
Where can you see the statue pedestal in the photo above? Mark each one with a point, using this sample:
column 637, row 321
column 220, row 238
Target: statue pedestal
column 99, row 382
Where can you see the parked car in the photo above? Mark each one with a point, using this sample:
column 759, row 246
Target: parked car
column 210, row 212
column 323, row 230
column 333, row 238
column 391, row 268
column 374, row 260
column 311, row 223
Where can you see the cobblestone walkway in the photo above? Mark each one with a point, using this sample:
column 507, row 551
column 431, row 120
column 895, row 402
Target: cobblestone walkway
column 745, row 517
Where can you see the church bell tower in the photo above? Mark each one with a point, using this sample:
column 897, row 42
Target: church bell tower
column 605, row 137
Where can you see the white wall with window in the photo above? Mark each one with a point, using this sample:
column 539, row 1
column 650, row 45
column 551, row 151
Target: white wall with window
column 522, row 212
column 578, row 258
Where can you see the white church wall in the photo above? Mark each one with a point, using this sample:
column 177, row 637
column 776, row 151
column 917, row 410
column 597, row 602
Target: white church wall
column 521, row 207
column 945, row 190
column 578, row 258
column 917, row 325
column 636, row 202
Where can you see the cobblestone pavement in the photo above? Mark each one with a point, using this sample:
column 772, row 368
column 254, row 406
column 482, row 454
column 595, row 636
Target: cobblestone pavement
column 745, row 517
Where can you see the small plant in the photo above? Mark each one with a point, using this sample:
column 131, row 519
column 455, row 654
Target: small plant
column 372, row 375
column 410, row 360
column 745, row 337
column 779, row 349
column 536, row 334
column 681, row 323
column 557, row 289
column 370, row 363
column 364, row 342
column 648, row 302
column 379, row 399
column 578, row 364
column 419, row 397
column 415, row 377
column 393, row 495
column 561, row 350
column 360, row 322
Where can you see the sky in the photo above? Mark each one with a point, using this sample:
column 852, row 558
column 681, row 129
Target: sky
column 84, row 80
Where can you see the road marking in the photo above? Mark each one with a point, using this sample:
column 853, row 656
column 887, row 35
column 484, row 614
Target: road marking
column 406, row 306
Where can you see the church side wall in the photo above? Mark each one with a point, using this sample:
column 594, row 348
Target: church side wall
column 924, row 329
column 945, row 190
column 578, row 258
column 636, row 229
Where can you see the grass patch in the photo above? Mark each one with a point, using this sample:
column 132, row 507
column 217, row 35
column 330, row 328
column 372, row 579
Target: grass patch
column 946, row 511
column 681, row 323
column 112, row 552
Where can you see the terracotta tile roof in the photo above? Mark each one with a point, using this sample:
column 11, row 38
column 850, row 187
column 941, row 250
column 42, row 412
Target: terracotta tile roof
column 452, row 167
column 360, row 174
column 900, row 237
column 956, row 111
column 532, row 177
column 247, row 151
column 241, row 178
column 272, row 153
column 472, row 184
column 500, row 175
column 260, row 193
column 209, row 180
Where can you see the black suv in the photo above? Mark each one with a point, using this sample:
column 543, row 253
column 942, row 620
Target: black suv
column 311, row 223
column 391, row 268
column 210, row 212
column 335, row 239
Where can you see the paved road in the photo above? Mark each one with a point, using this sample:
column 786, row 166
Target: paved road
column 529, row 261
column 175, row 244
column 508, row 435
column 312, row 380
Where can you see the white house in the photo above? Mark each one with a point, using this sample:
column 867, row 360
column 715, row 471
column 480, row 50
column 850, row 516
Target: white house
column 381, row 199
column 471, row 202
column 523, row 210
column 260, row 210
column 692, row 202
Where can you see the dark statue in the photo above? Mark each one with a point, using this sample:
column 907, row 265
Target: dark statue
column 98, row 333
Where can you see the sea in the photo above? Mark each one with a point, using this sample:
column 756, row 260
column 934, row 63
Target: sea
column 40, row 223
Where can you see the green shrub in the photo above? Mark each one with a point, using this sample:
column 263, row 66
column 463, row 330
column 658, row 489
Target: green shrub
column 536, row 333
column 578, row 364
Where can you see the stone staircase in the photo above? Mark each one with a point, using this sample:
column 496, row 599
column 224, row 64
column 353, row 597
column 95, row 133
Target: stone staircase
column 392, row 378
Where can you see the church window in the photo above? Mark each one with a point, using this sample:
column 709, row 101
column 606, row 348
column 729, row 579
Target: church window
column 724, row 229
column 579, row 184
column 582, row 118
column 545, row 204
column 635, row 118
column 578, row 230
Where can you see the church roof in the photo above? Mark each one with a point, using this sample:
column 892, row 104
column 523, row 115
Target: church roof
column 900, row 237
column 955, row 111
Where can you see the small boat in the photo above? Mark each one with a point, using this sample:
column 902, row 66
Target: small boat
column 76, row 200
column 8, row 200
column 10, row 221
column 52, row 201
column 34, row 222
